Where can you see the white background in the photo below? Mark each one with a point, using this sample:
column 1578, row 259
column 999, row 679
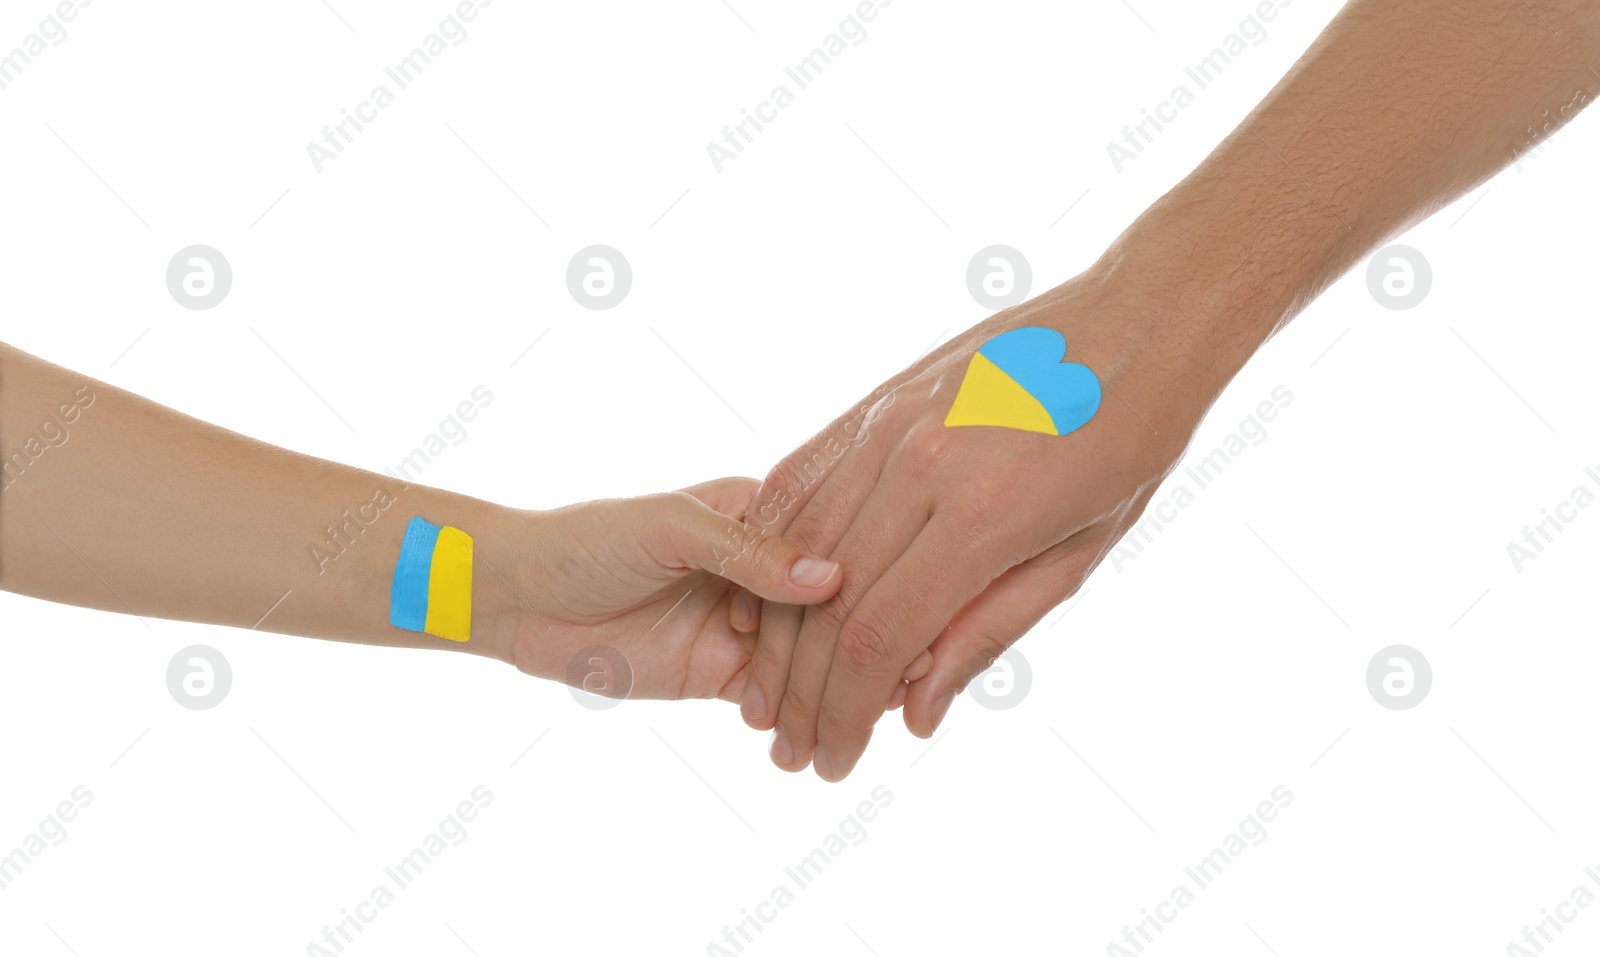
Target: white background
column 1169, row 700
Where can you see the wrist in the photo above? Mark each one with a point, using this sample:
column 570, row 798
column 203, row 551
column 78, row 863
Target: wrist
column 1243, row 243
column 1197, row 287
column 499, row 602
column 1169, row 314
column 496, row 533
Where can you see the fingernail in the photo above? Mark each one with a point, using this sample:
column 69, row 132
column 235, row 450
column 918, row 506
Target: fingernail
column 808, row 572
column 941, row 704
column 781, row 750
column 823, row 764
column 754, row 704
column 744, row 610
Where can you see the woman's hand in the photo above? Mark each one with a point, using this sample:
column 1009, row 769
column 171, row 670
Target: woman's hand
column 649, row 577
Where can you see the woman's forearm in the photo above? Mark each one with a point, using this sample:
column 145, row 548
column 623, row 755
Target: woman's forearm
column 111, row 501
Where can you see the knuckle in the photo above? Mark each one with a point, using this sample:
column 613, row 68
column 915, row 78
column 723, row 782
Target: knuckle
column 987, row 498
column 770, row 556
column 780, row 489
column 986, row 654
column 786, row 484
column 761, row 548
column 731, row 546
column 679, row 506
column 1074, row 584
column 798, row 714
column 810, row 531
column 1072, row 559
column 780, row 479
column 769, row 666
column 831, row 614
column 929, row 444
column 987, row 492
column 867, row 644
column 835, row 727
column 975, row 511
column 675, row 515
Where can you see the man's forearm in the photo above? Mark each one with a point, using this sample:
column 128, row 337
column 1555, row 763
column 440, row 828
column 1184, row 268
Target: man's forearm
column 1397, row 110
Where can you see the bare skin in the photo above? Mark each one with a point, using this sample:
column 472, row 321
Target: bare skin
column 959, row 540
column 114, row 502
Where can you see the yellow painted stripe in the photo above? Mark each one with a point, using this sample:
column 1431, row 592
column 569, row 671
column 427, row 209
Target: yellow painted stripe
column 450, row 586
column 990, row 397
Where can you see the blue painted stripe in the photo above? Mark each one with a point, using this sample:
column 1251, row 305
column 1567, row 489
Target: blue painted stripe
column 408, row 597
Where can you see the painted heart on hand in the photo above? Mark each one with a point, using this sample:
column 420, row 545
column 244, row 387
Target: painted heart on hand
column 1017, row 381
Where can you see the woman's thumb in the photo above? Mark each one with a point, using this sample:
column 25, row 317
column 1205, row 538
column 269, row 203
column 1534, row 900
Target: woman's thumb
column 700, row 536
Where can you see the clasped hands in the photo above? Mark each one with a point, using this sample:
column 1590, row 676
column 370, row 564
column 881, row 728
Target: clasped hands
column 885, row 563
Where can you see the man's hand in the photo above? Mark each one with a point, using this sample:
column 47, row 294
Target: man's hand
column 957, row 540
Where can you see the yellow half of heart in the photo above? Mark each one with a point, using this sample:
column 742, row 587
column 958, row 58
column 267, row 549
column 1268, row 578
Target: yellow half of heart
column 990, row 397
